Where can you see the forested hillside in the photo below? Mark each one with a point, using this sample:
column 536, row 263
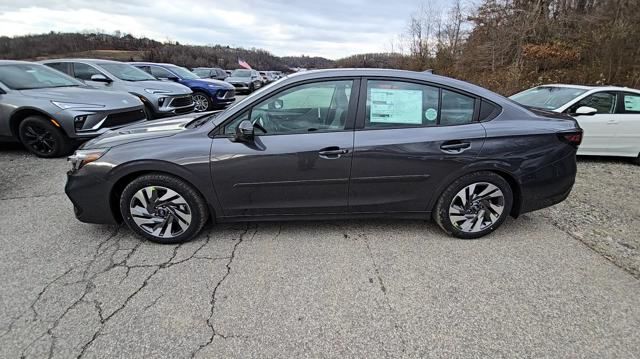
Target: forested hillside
column 505, row 45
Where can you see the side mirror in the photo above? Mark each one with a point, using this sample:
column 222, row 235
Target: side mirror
column 100, row 78
column 585, row 111
column 244, row 132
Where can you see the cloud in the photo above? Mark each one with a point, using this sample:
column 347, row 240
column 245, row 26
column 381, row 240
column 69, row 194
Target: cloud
column 328, row 28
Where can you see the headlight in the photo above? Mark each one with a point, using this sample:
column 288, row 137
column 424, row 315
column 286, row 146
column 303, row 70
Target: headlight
column 156, row 91
column 70, row 105
column 83, row 157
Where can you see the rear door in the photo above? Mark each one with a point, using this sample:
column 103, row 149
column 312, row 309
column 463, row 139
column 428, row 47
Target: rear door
column 300, row 159
column 409, row 137
column 628, row 128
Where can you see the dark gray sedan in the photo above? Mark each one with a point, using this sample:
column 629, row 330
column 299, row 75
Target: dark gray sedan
column 332, row 144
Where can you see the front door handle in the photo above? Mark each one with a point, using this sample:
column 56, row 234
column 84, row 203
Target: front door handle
column 455, row 146
column 332, row 152
column 612, row 122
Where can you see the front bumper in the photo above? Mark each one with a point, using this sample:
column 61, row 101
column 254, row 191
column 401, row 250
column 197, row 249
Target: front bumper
column 241, row 87
column 90, row 196
column 84, row 124
column 170, row 105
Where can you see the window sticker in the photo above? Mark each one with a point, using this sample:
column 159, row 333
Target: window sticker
column 431, row 114
column 396, row 106
column 632, row 103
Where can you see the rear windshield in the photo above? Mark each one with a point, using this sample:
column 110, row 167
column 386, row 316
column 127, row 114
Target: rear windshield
column 547, row 97
column 33, row 76
column 126, row 72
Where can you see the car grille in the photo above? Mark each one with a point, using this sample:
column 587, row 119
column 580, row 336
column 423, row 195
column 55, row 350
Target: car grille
column 182, row 101
column 239, row 85
column 226, row 94
column 123, row 118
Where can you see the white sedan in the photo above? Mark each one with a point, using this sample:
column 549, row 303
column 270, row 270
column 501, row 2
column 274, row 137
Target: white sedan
column 609, row 116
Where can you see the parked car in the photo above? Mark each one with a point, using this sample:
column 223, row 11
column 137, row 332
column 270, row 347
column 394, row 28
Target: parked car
column 49, row 112
column 245, row 81
column 208, row 94
column 160, row 99
column 332, row 144
column 228, row 72
column 609, row 116
column 210, row 73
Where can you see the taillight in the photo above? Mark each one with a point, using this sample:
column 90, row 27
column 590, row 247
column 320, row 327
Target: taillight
column 573, row 138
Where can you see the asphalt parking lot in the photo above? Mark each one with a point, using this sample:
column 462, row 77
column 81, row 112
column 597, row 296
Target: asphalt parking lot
column 549, row 284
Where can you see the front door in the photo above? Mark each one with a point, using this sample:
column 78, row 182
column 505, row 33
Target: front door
column 599, row 129
column 300, row 159
column 409, row 138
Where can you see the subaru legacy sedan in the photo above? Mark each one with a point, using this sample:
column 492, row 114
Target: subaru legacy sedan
column 50, row 112
column 332, row 144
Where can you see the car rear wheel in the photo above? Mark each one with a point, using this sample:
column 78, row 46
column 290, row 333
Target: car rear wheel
column 474, row 205
column 42, row 138
column 202, row 102
column 163, row 209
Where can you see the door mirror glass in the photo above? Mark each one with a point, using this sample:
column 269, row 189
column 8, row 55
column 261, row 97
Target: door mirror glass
column 585, row 111
column 244, row 132
column 100, row 78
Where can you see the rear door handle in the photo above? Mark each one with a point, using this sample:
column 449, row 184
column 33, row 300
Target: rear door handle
column 332, row 152
column 455, row 146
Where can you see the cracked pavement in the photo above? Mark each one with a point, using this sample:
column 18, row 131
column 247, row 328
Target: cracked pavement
column 371, row 288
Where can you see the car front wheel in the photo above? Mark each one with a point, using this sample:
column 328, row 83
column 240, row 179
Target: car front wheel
column 202, row 102
column 163, row 208
column 474, row 205
column 41, row 137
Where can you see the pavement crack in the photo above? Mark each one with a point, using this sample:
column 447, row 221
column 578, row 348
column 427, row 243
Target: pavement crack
column 383, row 288
column 213, row 299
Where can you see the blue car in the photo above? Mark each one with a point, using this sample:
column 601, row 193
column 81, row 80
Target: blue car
column 208, row 94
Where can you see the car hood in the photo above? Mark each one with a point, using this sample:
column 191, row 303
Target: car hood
column 109, row 99
column 172, row 87
column 208, row 82
column 141, row 131
column 244, row 80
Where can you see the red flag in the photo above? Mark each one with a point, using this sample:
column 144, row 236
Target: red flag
column 243, row 63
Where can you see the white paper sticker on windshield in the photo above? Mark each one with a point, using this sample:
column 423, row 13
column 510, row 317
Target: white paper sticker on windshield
column 396, row 106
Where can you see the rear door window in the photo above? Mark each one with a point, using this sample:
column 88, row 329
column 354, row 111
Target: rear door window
column 631, row 102
column 457, row 109
column 400, row 104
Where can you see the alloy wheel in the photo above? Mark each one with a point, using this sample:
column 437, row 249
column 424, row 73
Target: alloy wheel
column 476, row 207
column 160, row 211
column 39, row 139
column 201, row 101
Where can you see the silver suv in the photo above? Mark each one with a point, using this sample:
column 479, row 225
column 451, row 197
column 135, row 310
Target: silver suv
column 49, row 111
column 159, row 97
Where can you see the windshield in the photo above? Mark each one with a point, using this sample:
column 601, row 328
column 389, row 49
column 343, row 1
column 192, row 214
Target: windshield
column 241, row 73
column 126, row 72
column 203, row 73
column 33, row 76
column 547, row 97
column 184, row 73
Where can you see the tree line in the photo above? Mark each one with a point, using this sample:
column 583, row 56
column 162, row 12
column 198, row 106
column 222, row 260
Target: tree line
column 504, row 45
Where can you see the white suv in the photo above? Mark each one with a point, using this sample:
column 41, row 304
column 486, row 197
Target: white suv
column 609, row 116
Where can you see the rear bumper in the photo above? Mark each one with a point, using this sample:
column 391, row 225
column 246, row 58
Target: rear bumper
column 549, row 185
column 90, row 196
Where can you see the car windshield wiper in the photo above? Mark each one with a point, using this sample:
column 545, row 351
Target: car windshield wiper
column 201, row 120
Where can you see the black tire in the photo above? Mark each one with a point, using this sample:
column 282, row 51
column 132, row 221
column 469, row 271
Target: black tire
column 636, row 160
column 251, row 88
column 196, row 205
column 441, row 211
column 148, row 112
column 208, row 99
column 43, row 138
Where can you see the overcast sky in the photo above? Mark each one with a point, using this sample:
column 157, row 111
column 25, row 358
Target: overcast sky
column 329, row 28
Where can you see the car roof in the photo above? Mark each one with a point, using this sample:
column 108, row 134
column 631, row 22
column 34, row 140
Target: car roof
column 14, row 62
column 93, row 61
column 592, row 88
column 151, row 63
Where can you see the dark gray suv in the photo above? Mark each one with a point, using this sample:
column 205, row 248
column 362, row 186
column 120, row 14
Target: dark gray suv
column 49, row 112
column 332, row 144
